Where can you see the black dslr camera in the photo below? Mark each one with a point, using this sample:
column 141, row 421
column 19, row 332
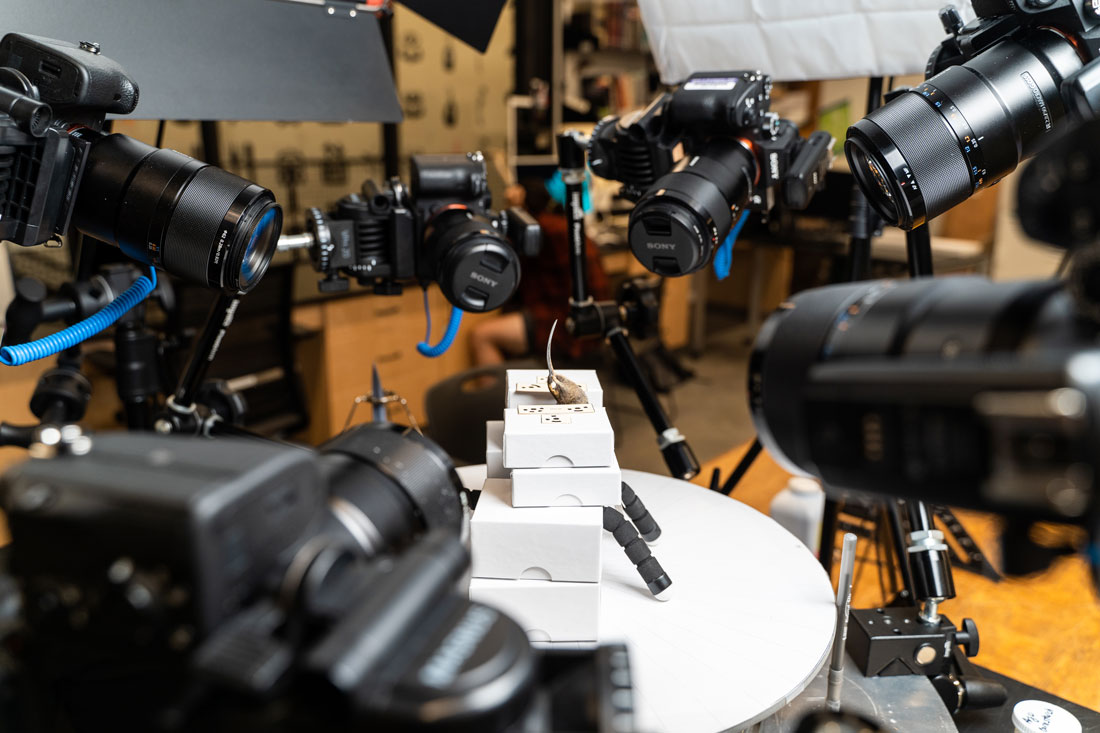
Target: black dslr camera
column 998, row 90
column 737, row 155
column 234, row 585
column 441, row 230
column 160, row 207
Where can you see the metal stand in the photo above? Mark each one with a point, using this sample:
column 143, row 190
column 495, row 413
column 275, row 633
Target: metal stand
column 135, row 346
column 198, row 407
column 612, row 320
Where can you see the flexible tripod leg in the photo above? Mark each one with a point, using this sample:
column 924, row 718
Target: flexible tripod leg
column 655, row 577
column 639, row 515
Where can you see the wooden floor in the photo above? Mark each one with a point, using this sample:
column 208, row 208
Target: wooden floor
column 1043, row 630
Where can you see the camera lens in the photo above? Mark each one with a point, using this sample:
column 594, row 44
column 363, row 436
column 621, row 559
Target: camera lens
column 962, row 130
column 843, row 376
column 475, row 267
column 684, row 216
column 390, row 485
column 163, row 208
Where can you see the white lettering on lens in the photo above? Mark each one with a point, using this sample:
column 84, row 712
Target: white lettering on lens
column 482, row 279
column 664, row 246
column 1038, row 95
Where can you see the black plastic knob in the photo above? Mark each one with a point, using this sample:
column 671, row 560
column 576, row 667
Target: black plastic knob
column 967, row 637
column 333, row 284
column 30, row 289
column 952, row 21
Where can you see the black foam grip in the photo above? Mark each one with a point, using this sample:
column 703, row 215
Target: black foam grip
column 636, row 510
column 636, row 549
column 650, row 569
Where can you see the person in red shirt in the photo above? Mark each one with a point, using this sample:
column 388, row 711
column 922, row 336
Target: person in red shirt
column 544, row 290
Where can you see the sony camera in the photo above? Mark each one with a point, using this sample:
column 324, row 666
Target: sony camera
column 736, row 155
column 997, row 90
column 161, row 208
column 440, row 229
column 240, row 585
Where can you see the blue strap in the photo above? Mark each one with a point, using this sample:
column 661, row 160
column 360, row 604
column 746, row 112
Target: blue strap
column 723, row 258
column 66, row 338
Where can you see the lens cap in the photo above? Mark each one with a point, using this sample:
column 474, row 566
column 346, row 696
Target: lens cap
column 668, row 242
column 479, row 275
column 475, row 649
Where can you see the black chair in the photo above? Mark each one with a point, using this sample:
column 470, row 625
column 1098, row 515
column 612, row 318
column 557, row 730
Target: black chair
column 459, row 406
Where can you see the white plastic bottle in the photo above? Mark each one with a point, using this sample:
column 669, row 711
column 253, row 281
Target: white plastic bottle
column 1036, row 716
column 799, row 508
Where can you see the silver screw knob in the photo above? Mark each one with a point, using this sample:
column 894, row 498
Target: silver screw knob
column 89, row 46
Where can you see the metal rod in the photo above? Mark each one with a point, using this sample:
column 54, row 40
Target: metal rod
column 864, row 220
column 574, row 215
column 742, row 467
column 679, row 458
column 391, row 143
column 920, row 518
column 205, row 348
column 829, row 519
column 843, row 608
column 900, row 544
column 289, row 242
column 918, row 248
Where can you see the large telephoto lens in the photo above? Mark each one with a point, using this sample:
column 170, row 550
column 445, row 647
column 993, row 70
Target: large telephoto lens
column 685, row 215
column 163, row 208
column 962, row 130
column 926, row 388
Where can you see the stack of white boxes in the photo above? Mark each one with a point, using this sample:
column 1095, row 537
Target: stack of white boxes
column 537, row 530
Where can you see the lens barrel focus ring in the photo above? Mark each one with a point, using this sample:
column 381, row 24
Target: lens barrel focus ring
column 906, row 147
column 210, row 191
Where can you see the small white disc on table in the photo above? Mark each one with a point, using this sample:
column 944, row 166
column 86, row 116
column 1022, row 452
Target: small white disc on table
column 748, row 627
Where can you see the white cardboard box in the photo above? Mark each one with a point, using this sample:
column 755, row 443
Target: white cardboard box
column 528, row 386
column 557, row 436
column 558, row 487
column 561, row 544
column 494, row 450
column 546, row 611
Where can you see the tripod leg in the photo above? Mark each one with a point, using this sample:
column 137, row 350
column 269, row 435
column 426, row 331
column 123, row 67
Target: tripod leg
column 639, row 515
column 678, row 455
column 828, row 532
column 742, row 467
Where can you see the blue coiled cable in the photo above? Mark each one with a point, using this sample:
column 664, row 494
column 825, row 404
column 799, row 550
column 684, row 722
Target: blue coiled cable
column 449, row 335
column 66, row 338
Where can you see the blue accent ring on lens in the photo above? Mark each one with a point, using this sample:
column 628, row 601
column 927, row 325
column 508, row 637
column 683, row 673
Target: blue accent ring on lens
column 262, row 229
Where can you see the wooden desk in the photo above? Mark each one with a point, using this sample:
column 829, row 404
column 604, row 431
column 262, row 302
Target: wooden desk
column 1043, row 630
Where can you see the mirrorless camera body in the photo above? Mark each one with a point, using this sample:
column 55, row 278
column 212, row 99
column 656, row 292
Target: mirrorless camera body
column 161, row 208
column 439, row 229
column 237, row 585
column 737, row 155
column 997, row 91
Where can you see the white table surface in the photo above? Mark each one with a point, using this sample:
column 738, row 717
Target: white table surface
column 750, row 622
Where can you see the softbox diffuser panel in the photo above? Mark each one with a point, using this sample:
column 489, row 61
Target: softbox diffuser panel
column 794, row 40
column 229, row 59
